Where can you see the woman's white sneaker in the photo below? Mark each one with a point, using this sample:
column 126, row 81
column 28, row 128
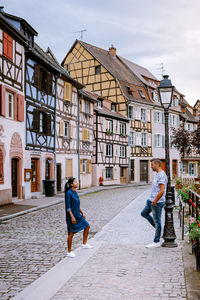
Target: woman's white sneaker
column 71, row 254
column 87, row 246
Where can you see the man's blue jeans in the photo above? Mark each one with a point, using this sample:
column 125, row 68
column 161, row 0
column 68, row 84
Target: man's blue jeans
column 156, row 220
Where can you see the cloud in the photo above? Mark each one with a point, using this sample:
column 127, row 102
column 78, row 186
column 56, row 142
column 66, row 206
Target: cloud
column 146, row 32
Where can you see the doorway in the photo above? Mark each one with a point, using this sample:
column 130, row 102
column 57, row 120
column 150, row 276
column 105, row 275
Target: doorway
column 132, row 170
column 14, row 177
column 34, row 168
column 123, row 175
column 144, row 170
column 174, row 169
column 58, row 177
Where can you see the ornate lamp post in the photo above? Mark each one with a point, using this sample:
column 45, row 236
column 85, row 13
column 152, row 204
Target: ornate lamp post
column 165, row 90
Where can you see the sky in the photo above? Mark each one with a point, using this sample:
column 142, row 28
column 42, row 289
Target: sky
column 147, row 32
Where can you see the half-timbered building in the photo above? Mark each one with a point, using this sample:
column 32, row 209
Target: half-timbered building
column 12, row 126
column 190, row 163
column 110, row 146
column 104, row 72
column 40, row 90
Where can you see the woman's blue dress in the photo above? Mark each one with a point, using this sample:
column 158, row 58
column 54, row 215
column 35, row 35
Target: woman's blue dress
column 72, row 202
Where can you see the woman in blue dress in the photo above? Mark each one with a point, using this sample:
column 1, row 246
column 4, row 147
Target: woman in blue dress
column 75, row 217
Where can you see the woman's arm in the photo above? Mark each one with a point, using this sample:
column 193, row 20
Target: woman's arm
column 68, row 207
column 82, row 213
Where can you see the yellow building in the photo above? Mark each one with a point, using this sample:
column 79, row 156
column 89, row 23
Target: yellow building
column 128, row 86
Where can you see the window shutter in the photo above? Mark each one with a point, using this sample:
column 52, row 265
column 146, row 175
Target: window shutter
column 148, row 115
column 71, row 130
column 84, row 134
column 163, row 118
column 37, row 76
column 149, row 140
column 155, row 145
column 88, row 135
column 81, row 166
column 129, row 140
column 20, row 108
column 138, row 113
column 163, row 141
column 116, row 150
column 155, row 120
column 50, row 84
column 138, row 139
column 35, row 124
column 89, row 166
column 61, row 128
column 177, row 121
column 82, row 105
column 68, row 91
column 7, row 46
column 47, row 124
column 3, row 100
column 170, row 119
column 68, row 171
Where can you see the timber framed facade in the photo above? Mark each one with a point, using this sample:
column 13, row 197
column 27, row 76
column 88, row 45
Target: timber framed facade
column 105, row 73
column 12, row 125
column 110, row 150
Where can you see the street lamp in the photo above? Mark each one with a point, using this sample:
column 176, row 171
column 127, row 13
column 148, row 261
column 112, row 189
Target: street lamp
column 165, row 90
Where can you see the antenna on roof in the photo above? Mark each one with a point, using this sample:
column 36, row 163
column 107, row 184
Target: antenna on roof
column 161, row 69
column 81, row 32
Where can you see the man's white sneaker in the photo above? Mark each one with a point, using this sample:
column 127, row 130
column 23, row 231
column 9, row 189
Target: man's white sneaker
column 153, row 245
column 71, row 254
column 87, row 246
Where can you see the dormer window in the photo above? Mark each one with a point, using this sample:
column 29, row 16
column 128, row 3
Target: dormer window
column 129, row 91
column 99, row 103
column 113, row 107
column 97, row 70
column 142, row 94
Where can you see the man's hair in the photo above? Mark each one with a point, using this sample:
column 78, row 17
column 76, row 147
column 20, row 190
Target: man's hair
column 156, row 161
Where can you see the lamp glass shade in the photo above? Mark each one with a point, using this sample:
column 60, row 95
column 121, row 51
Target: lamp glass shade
column 166, row 96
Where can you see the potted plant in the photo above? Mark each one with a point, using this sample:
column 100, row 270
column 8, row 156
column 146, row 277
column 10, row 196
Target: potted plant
column 178, row 183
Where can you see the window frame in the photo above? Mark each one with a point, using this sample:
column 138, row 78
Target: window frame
column 99, row 103
column 84, row 166
column 109, row 125
column 8, row 93
column 113, row 105
column 122, row 128
column 142, row 95
column 122, row 151
column 109, row 150
column 109, row 171
column 66, row 129
column 87, row 107
column 143, row 114
column 144, row 134
column 97, row 70
column 132, row 138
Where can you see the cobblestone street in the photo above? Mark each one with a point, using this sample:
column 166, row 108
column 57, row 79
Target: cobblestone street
column 32, row 244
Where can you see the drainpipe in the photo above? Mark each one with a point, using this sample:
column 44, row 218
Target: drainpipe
column 78, row 144
column 55, row 179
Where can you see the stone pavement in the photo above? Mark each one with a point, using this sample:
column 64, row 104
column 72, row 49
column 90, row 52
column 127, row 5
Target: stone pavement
column 33, row 243
column 119, row 267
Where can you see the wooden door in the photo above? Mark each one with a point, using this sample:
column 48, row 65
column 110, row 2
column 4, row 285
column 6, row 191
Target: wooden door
column 58, row 177
column 163, row 165
column 34, row 175
column 132, row 170
column 123, row 175
column 14, row 176
column 174, row 169
column 144, row 170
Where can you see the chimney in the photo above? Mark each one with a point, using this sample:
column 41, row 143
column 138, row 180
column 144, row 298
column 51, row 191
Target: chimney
column 112, row 51
column 1, row 9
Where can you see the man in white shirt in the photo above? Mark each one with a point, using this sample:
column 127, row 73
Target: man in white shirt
column 156, row 202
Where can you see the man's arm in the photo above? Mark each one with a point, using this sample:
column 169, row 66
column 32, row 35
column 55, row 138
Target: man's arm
column 160, row 193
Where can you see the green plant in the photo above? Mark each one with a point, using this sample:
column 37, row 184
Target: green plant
column 178, row 180
column 109, row 132
column 184, row 193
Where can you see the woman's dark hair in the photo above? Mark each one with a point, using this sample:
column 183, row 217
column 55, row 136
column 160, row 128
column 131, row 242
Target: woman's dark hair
column 69, row 183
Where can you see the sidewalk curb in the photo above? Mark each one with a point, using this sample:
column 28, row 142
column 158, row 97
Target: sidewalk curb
column 15, row 215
